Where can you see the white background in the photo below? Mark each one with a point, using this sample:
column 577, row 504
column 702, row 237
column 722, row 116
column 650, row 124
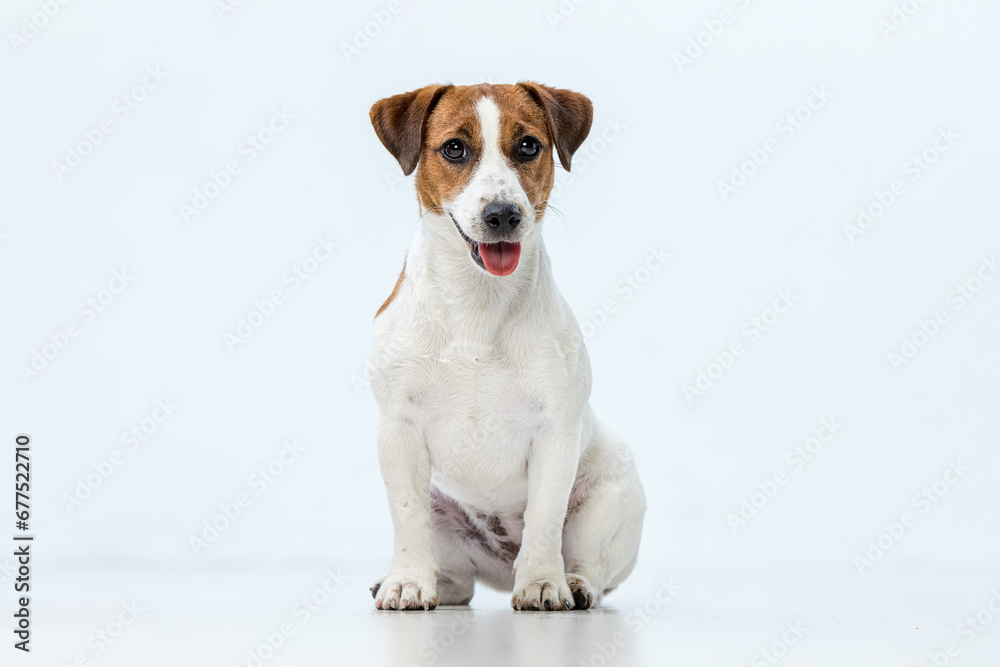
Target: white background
column 673, row 130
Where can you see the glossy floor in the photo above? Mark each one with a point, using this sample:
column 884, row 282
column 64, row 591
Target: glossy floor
column 696, row 614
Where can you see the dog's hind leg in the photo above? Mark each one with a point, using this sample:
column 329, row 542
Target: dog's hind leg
column 603, row 521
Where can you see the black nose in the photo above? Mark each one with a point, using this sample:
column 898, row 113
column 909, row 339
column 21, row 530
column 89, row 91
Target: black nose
column 502, row 216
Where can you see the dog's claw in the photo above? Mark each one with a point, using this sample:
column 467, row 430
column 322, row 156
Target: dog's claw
column 543, row 594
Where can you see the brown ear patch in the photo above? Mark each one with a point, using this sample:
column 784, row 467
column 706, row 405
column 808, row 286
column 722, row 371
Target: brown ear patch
column 399, row 122
column 395, row 291
column 568, row 115
column 454, row 116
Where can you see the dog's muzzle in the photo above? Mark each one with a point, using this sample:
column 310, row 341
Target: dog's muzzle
column 500, row 258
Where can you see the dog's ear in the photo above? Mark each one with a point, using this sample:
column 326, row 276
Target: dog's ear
column 399, row 122
column 568, row 115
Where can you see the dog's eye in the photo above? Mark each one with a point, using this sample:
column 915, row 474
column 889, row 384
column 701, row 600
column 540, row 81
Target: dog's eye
column 528, row 149
column 454, row 150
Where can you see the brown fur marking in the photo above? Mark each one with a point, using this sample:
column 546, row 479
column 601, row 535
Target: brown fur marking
column 448, row 511
column 567, row 114
column 400, row 121
column 395, row 291
column 495, row 526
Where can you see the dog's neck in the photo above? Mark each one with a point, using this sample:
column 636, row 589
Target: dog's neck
column 474, row 303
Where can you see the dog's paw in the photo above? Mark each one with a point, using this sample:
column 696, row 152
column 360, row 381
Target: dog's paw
column 406, row 592
column 542, row 594
column 582, row 597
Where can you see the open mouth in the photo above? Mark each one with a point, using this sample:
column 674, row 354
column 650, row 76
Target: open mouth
column 500, row 258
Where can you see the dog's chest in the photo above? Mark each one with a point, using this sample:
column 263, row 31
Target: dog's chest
column 480, row 411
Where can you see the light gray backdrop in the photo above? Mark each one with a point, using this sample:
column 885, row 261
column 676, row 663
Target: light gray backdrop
column 197, row 224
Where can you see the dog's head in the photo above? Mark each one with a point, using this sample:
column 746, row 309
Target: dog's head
column 483, row 156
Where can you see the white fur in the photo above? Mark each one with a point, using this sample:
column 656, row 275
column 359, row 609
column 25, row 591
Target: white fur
column 482, row 393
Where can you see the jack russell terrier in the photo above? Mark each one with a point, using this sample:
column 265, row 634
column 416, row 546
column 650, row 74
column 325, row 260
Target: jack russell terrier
column 495, row 467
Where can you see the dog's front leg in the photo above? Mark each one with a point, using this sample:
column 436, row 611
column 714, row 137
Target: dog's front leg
column 406, row 470
column 539, row 571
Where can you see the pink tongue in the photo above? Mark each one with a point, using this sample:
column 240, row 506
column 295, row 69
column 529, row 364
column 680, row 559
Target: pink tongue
column 500, row 259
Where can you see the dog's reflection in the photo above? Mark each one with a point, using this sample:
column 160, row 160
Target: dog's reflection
column 463, row 635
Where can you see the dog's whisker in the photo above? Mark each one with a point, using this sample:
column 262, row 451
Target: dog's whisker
column 430, row 210
column 559, row 214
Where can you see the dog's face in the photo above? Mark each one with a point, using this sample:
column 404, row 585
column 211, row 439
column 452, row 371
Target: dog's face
column 483, row 156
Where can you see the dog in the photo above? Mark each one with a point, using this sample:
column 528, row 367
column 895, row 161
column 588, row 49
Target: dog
column 495, row 467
